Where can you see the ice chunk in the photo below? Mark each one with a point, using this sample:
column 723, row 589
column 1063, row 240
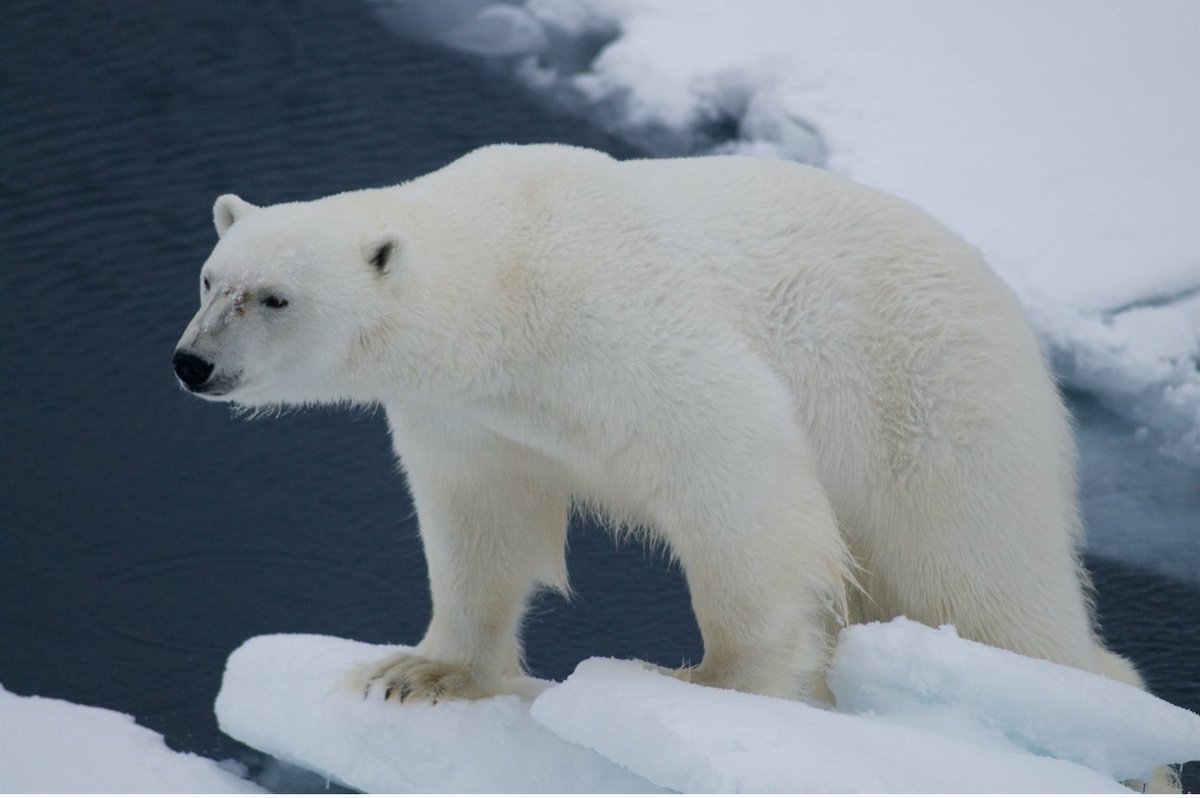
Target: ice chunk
column 285, row 695
column 47, row 745
column 938, row 714
column 911, row 673
column 700, row 739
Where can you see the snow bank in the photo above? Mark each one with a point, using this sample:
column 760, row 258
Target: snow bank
column 920, row 711
column 1059, row 137
column 47, row 745
column 912, row 674
column 285, row 695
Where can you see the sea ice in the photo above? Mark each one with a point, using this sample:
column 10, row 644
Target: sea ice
column 47, row 745
column 286, row 695
column 920, row 711
column 910, row 673
column 701, row 739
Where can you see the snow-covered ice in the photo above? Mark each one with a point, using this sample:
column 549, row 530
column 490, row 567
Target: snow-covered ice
column 919, row 710
column 286, row 695
column 1061, row 137
column 47, row 745
column 916, row 675
column 1003, row 723
column 700, row 739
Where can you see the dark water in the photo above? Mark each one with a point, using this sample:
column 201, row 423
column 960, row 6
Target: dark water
column 144, row 534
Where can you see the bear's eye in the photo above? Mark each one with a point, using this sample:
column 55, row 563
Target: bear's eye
column 207, row 284
column 379, row 258
column 274, row 302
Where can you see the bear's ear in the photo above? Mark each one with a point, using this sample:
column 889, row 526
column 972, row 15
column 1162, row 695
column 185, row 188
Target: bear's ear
column 227, row 210
column 381, row 251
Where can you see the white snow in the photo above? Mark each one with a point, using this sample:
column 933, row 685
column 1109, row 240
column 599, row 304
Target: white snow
column 923, row 711
column 287, row 695
column 1061, row 137
column 47, row 745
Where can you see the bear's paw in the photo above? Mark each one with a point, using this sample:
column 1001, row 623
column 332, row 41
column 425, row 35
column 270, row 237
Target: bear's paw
column 407, row 678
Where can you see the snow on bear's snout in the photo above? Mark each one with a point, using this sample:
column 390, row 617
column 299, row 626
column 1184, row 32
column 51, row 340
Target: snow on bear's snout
column 205, row 357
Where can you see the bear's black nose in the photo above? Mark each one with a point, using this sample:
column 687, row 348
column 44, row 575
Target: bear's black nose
column 191, row 370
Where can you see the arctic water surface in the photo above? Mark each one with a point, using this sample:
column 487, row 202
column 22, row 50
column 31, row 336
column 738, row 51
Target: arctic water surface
column 146, row 534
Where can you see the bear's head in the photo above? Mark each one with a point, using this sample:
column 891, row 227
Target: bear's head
column 291, row 298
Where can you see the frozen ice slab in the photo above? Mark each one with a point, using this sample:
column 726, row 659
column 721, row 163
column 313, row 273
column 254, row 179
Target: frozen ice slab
column 920, row 710
column 47, row 745
column 925, row 677
column 285, row 695
column 701, row 739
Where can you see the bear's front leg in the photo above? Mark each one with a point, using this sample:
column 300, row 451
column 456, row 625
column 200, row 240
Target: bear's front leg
column 493, row 521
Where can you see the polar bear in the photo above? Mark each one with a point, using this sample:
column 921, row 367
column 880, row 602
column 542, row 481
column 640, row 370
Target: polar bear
column 820, row 399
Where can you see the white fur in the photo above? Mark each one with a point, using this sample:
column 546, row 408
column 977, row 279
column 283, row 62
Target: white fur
column 797, row 383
